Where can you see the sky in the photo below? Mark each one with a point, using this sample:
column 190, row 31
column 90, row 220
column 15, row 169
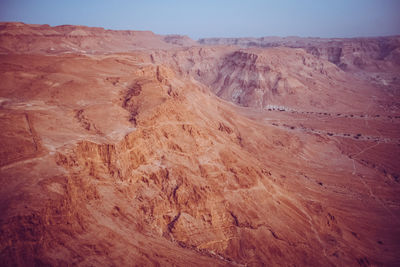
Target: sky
column 217, row 18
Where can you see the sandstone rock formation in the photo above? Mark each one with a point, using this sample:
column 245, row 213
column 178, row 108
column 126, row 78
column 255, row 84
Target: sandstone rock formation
column 344, row 52
column 276, row 76
column 136, row 157
column 375, row 59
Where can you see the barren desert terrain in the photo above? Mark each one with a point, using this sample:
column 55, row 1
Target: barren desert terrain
column 127, row 148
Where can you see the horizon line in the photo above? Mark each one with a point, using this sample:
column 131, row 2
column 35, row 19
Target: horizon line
column 201, row 38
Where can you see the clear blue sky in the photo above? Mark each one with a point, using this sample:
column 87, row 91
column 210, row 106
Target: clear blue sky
column 211, row 18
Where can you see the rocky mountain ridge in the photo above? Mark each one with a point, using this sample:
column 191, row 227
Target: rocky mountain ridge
column 347, row 53
column 152, row 156
column 81, row 39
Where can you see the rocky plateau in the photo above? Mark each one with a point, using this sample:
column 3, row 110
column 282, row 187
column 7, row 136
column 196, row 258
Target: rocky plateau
column 128, row 148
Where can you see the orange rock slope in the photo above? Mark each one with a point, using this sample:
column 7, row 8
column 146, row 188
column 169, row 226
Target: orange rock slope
column 132, row 158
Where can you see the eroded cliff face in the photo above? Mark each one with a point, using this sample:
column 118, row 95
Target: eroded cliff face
column 348, row 54
column 131, row 159
column 373, row 59
column 271, row 78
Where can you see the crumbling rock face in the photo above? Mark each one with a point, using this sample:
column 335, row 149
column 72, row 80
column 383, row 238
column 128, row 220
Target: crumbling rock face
column 257, row 78
column 260, row 78
column 341, row 52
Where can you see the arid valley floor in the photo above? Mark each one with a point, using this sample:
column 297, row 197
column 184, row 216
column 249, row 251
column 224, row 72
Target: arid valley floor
column 127, row 148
